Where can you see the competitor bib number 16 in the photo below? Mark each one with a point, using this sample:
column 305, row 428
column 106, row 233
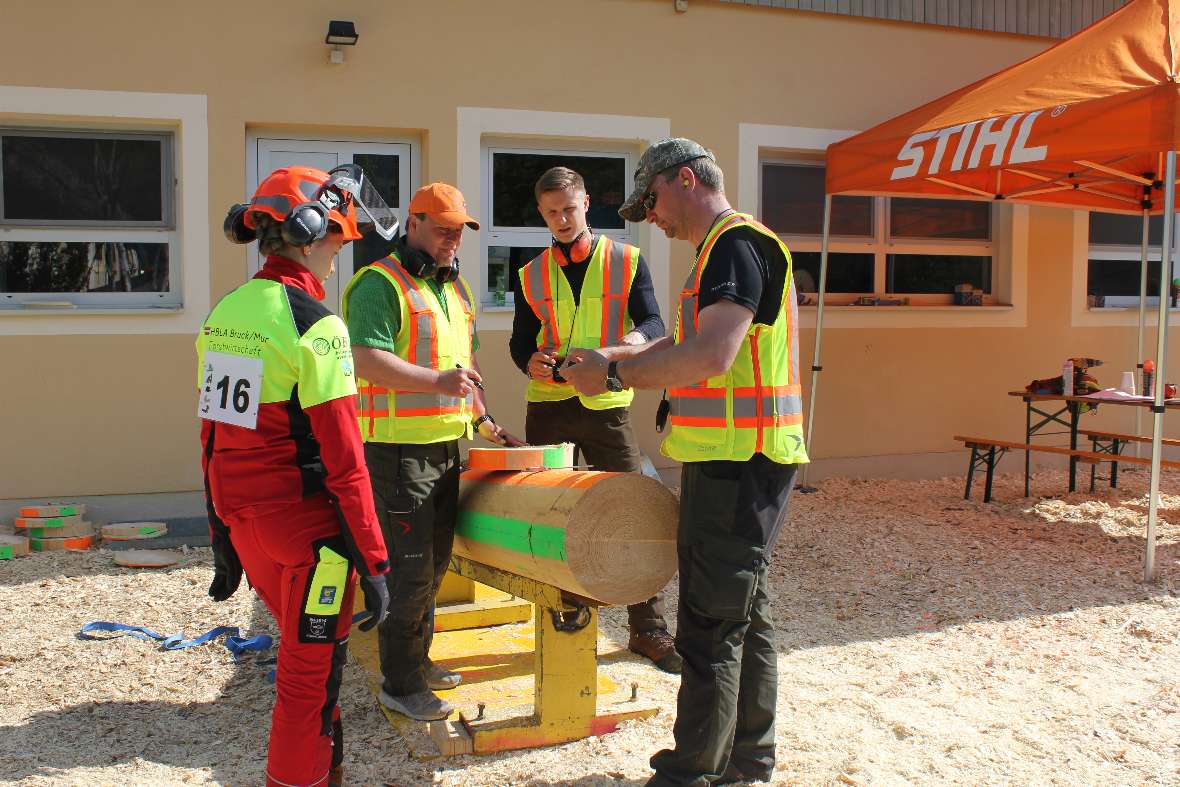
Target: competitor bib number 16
column 230, row 389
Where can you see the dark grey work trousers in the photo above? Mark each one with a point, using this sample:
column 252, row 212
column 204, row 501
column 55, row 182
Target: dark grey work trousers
column 606, row 442
column 416, row 492
column 731, row 514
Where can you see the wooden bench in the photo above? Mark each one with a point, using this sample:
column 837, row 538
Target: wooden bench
column 984, row 454
column 1113, row 443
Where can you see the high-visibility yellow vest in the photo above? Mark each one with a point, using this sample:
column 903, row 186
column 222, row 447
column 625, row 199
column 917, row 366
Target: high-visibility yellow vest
column 756, row 406
column 599, row 318
column 426, row 337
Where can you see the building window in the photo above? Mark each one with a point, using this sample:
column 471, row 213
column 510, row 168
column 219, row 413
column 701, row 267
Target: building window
column 516, row 232
column 88, row 219
column 920, row 249
column 1115, row 259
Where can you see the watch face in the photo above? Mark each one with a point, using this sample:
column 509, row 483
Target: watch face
column 614, row 384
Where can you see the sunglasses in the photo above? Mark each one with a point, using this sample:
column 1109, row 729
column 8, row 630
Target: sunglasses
column 649, row 201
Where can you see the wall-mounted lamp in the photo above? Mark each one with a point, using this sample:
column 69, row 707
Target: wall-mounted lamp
column 340, row 34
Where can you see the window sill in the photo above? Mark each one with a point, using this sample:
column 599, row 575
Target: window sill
column 88, row 311
column 1151, row 309
column 934, row 316
column 911, row 308
column 489, row 309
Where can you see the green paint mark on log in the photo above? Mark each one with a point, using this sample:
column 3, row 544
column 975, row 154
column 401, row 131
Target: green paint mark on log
column 6, row 552
column 515, row 534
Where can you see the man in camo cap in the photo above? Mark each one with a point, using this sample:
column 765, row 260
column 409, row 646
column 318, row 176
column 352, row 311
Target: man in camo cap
column 731, row 372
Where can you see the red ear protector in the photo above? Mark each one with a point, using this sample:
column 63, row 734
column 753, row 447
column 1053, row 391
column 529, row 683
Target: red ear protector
column 419, row 263
column 579, row 248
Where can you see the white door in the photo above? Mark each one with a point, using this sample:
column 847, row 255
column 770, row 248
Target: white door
column 386, row 164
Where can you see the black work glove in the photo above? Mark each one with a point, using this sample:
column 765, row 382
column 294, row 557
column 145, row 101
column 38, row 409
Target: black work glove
column 227, row 568
column 376, row 601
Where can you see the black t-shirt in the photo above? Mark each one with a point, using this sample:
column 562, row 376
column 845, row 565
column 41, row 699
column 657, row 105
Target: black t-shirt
column 747, row 268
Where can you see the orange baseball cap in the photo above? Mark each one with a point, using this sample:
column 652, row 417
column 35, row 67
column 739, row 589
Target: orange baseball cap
column 444, row 203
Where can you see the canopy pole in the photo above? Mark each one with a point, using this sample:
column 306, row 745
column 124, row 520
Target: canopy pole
column 1142, row 322
column 816, row 366
column 1161, row 366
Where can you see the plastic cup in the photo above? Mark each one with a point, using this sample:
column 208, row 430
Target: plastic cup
column 1128, row 384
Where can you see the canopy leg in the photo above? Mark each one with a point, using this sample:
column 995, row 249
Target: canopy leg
column 1142, row 321
column 816, row 365
column 1157, row 409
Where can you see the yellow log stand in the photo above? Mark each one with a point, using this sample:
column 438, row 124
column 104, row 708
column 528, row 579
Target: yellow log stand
column 462, row 603
column 498, row 707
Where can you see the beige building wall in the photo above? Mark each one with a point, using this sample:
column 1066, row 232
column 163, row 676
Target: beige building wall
column 104, row 404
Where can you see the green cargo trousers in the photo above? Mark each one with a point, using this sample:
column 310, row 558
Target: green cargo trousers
column 731, row 514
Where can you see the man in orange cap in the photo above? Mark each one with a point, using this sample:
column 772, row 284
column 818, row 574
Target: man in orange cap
column 412, row 327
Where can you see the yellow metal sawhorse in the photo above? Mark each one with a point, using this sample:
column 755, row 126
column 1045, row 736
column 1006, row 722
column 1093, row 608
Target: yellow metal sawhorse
column 462, row 603
column 565, row 670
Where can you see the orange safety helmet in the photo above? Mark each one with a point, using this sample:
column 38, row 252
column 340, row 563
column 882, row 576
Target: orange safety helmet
column 289, row 187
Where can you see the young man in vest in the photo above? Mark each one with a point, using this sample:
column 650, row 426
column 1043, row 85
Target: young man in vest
column 586, row 291
column 412, row 324
column 731, row 370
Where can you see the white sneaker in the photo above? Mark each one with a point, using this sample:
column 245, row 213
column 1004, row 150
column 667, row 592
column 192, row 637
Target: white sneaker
column 423, row 706
column 441, row 679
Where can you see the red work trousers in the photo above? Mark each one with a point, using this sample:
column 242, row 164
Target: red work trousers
column 280, row 552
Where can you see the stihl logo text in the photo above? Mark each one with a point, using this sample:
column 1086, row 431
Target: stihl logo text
column 994, row 135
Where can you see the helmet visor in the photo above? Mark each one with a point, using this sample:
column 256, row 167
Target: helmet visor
column 348, row 181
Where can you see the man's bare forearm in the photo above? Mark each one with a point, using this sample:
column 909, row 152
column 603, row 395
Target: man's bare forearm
column 673, row 366
column 621, row 351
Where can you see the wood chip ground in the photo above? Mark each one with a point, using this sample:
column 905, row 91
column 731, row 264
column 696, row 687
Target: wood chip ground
column 923, row 639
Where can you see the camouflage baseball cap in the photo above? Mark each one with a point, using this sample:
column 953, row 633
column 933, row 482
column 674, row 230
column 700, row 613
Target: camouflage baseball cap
column 663, row 154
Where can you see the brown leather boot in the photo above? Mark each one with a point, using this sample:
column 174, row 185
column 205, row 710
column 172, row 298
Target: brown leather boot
column 336, row 776
column 659, row 647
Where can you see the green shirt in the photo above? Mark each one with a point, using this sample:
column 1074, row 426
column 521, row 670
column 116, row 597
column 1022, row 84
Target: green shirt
column 374, row 312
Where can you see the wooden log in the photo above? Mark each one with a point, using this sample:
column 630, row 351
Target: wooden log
column 609, row 537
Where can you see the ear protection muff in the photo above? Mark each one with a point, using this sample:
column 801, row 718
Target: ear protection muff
column 234, row 226
column 448, row 274
column 579, row 248
column 419, row 263
column 305, row 224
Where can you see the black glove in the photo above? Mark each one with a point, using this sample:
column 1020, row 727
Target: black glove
column 376, row 601
column 227, row 568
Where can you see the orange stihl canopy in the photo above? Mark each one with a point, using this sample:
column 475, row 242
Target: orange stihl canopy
column 1083, row 124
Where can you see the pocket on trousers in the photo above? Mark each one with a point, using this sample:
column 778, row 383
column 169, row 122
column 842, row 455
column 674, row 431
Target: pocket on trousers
column 723, row 576
column 324, row 595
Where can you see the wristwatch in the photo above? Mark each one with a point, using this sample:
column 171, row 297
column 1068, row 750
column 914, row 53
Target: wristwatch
column 479, row 421
column 613, row 383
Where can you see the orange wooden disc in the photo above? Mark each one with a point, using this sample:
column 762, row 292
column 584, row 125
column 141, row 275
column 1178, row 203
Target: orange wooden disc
column 52, row 509
column 80, row 543
column 146, row 558
column 13, row 546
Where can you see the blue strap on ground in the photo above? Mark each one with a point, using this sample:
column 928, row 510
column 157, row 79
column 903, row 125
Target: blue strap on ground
column 234, row 641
